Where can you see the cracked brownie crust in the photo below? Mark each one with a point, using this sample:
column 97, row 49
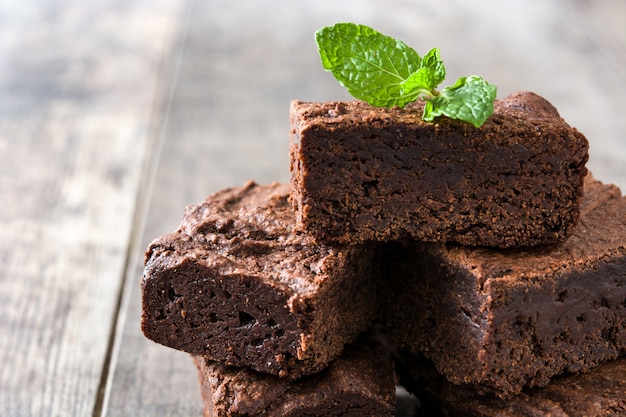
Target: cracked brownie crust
column 235, row 284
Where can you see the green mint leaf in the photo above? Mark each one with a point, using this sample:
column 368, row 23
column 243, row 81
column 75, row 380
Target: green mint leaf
column 427, row 78
column 373, row 67
column 385, row 72
column 433, row 62
column 470, row 99
column 420, row 82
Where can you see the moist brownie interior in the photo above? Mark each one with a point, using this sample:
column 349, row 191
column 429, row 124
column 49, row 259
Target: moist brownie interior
column 503, row 319
column 236, row 284
column 362, row 173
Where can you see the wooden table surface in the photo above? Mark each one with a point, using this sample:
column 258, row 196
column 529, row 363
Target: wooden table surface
column 115, row 115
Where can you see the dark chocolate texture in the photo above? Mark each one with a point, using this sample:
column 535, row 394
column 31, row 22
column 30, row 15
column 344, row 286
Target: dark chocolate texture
column 505, row 319
column 599, row 393
column 236, row 284
column 357, row 384
column 361, row 173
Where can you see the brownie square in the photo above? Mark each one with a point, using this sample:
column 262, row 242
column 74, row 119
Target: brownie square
column 358, row 383
column 360, row 173
column 505, row 319
column 599, row 393
column 236, row 284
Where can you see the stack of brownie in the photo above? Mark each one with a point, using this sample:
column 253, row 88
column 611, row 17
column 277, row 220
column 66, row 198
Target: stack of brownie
column 484, row 267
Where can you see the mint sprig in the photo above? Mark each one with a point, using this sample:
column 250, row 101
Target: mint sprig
column 469, row 99
column 385, row 72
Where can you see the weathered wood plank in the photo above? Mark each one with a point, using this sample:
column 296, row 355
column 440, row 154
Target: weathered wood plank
column 147, row 379
column 77, row 82
column 228, row 120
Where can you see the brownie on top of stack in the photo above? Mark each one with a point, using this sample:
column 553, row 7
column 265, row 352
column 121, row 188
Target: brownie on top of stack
column 362, row 173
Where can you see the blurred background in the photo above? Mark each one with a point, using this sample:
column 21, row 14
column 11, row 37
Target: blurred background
column 114, row 115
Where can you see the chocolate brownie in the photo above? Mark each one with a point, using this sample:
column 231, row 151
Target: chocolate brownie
column 599, row 393
column 504, row 319
column 361, row 173
column 358, row 383
column 236, row 284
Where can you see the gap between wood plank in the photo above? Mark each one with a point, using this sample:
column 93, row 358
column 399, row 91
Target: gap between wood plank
column 159, row 120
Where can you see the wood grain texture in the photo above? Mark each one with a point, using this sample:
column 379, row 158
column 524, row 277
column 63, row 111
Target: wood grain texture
column 227, row 121
column 145, row 378
column 75, row 101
